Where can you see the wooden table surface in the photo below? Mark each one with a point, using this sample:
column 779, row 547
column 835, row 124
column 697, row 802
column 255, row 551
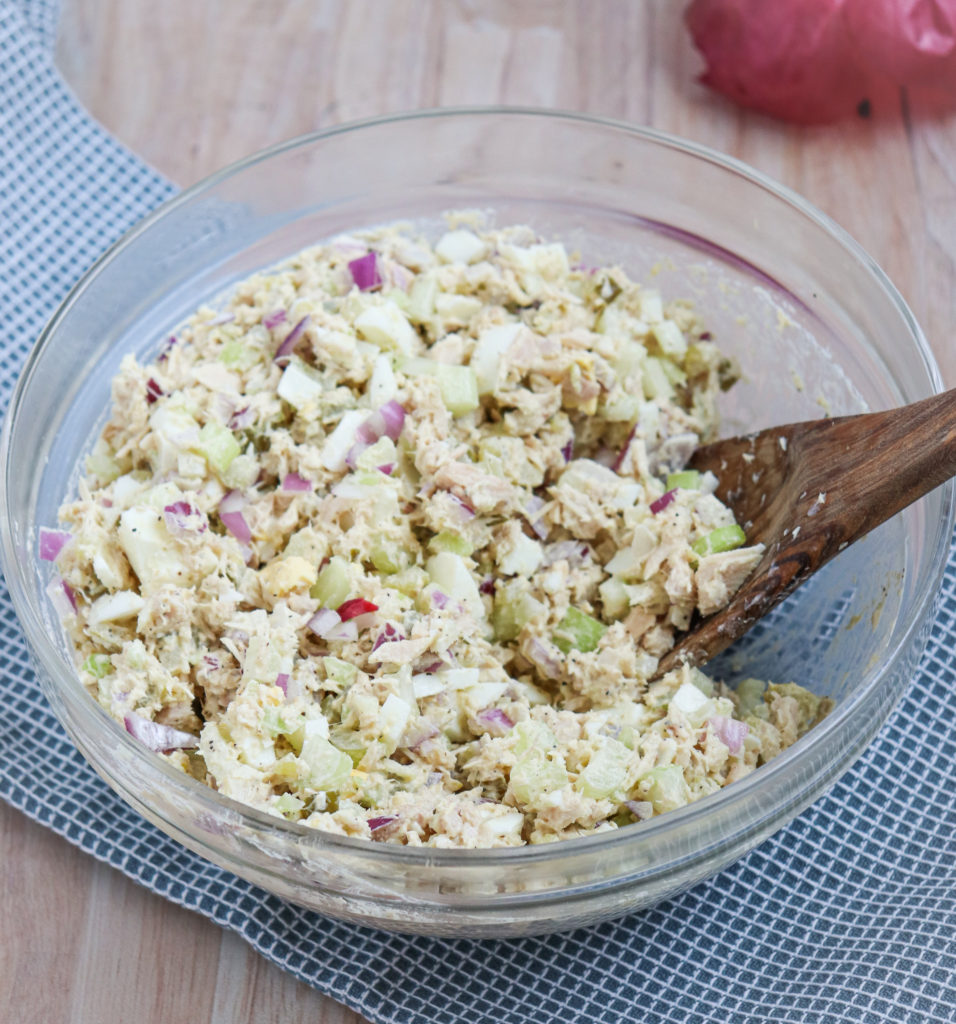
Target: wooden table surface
column 192, row 85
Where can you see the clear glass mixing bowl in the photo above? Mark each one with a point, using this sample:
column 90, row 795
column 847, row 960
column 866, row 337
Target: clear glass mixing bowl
column 813, row 321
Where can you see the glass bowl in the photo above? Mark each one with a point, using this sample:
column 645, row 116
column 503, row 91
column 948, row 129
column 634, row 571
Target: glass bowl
column 814, row 323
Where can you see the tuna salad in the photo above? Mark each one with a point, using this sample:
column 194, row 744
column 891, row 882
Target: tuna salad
column 391, row 542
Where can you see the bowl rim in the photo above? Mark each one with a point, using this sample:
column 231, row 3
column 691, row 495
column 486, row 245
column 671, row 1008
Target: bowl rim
column 483, row 857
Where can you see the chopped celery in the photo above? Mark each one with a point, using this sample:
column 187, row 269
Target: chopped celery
column 459, row 388
column 749, row 696
column 688, row 480
column 98, row 665
column 276, row 723
column 533, row 735
column 288, row 805
column 655, row 382
column 673, row 372
column 348, row 742
column 578, row 630
column 388, row 556
column 665, row 787
column 614, row 598
column 724, row 538
column 421, row 299
column 242, row 472
column 605, row 772
column 417, row 366
column 101, row 463
column 218, row 446
column 670, row 338
column 410, row 581
column 514, row 609
column 534, row 776
column 342, row 673
column 332, row 588
column 449, row 541
column 236, row 355
column 623, row 409
column 328, row 767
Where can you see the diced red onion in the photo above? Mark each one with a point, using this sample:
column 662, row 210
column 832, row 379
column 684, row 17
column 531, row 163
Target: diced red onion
column 294, row 482
column 533, row 506
column 274, row 319
column 365, row 273
column 540, row 654
column 354, row 453
column 324, row 621
column 439, row 600
column 153, row 391
column 571, row 551
column 377, row 823
column 62, row 597
column 159, row 737
column 177, row 517
column 387, row 635
column 642, row 809
column 568, row 450
column 285, row 349
column 432, row 667
column 371, row 429
column 495, row 716
column 212, row 662
column 51, row 543
column 663, row 501
column 355, row 606
column 387, row 469
column 393, row 413
column 343, row 631
column 232, row 518
column 487, row 585
column 168, row 345
column 241, row 418
column 466, row 510
column 729, row 731
column 622, row 454
column 223, row 318
column 282, row 681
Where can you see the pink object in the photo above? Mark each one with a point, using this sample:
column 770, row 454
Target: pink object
column 282, row 681
column 230, row 512
column 495, row 716
column 365, row 273
column 153, row 391
column 52, row 542
column 820, row 60
column 376, row 823
column 274, row 319
column 729, row 731
column 354, row 607
column 663, row 501
column 159, row 737
column 284, row 351
column 294, row 482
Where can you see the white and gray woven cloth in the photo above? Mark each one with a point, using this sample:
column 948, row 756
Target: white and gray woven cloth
column 848, row 915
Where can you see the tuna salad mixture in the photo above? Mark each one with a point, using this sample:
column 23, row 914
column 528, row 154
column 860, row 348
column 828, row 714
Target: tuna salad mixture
column 391, row 544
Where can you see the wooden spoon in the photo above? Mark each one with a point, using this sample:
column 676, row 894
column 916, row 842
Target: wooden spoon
column 807, row 491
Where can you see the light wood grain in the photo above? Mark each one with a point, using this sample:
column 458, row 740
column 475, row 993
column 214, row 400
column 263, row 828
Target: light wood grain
column 192, row 85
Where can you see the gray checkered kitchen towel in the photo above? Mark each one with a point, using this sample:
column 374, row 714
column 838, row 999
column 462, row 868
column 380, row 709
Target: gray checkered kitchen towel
column 873, row 940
